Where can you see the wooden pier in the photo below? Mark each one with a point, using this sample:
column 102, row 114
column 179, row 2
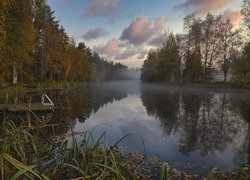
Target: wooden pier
column 25, row 107
column 45, row 105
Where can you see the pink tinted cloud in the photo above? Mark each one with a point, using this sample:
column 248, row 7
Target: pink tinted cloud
column 94, row 34
column 129, row 52
column 101, row 8
column 110, row 48
column 201, row 7
column 234, row 16
column 142, row 29
column 116, row 50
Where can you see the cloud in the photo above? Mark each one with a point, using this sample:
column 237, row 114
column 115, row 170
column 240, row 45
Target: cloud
column 94, row 34
column 142, row 29
column 113, row 48
column 156, row 41
column 132, row 63
column 100, row 8
column 201, row 7
column 109, row 49
column 143, row 54
column 234, row 16
column 112, row 10
column 118, row 51
column 128, row 51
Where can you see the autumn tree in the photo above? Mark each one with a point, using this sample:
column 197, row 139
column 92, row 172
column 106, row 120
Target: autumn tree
column 210, row 45
column 150, row 67
column 241, row 68
column 3, row 14
column 246, row 12
column 19, row 39
column 229, row 43
column 168, row 63
column 4, row 4
column 39, row 9
column 193, row 66
column 85, row 62
column 34, row 47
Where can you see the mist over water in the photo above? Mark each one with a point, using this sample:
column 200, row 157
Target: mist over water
column 128, row 74
column 193, row 129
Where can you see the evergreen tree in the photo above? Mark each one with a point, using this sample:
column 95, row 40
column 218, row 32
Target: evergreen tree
column 20, row 37
column 168, row 60
column 246, row 12
column 4, row 4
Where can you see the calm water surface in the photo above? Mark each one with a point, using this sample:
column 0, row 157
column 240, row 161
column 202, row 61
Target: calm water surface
column 193, row 129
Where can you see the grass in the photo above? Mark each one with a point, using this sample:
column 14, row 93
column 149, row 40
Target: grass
column 241, row 173
column 20, row 89
column 49, row 85
column 26, row 153
column 12, row 90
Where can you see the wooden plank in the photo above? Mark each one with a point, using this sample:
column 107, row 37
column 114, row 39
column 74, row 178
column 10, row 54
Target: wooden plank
column 25, row 107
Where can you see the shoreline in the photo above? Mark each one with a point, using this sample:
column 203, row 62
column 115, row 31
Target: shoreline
column 205, row 86
column 50, row 86
column 151, row 167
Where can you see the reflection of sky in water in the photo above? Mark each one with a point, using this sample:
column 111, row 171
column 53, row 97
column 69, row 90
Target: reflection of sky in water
column 129, row 116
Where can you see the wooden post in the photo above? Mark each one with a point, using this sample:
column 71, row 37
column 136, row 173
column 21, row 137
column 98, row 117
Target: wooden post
column 6, row 98
column 29, row 103
column 14, row 75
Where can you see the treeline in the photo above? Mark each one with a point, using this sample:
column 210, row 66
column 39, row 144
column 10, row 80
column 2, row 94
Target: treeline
column 35, row 48
column 207, row 49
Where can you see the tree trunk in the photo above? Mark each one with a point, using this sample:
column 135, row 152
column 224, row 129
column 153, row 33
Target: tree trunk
column 14, row 75
column 225, row 76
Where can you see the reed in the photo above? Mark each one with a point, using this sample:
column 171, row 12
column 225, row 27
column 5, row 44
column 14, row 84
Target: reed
column 24, row 154
column 13, row 90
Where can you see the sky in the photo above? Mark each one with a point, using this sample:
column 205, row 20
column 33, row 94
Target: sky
column 125, row 30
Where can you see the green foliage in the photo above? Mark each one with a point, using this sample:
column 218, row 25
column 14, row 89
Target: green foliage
column 206, row 47
column 215, row 173
column 103, row 70
column 243, row 172
column 20, row 37
column 163, row 65
column 149, row 69
column 241, row 68
column 164, row 172
column 25, row 155
column 168, row 60
column 12, row 90
column 3, row 13
column 246, row 12
column 33, row 44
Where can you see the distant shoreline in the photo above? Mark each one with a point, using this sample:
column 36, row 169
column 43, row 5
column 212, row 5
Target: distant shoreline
column 215, row 85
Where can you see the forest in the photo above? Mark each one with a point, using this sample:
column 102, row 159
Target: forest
column 35, row 48
column 209, row 50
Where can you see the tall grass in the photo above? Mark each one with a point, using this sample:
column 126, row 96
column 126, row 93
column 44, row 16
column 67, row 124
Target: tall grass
column 17, row 90
column 28, row 154
column 50, row 84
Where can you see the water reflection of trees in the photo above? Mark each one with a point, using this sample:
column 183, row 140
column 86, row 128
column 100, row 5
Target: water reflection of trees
column 206, row 121
column 163, row 106
column 79, row 102
column 241, row 104
column 71, row 105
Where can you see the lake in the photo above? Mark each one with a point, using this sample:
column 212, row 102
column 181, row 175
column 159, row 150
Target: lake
column 192, row 129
